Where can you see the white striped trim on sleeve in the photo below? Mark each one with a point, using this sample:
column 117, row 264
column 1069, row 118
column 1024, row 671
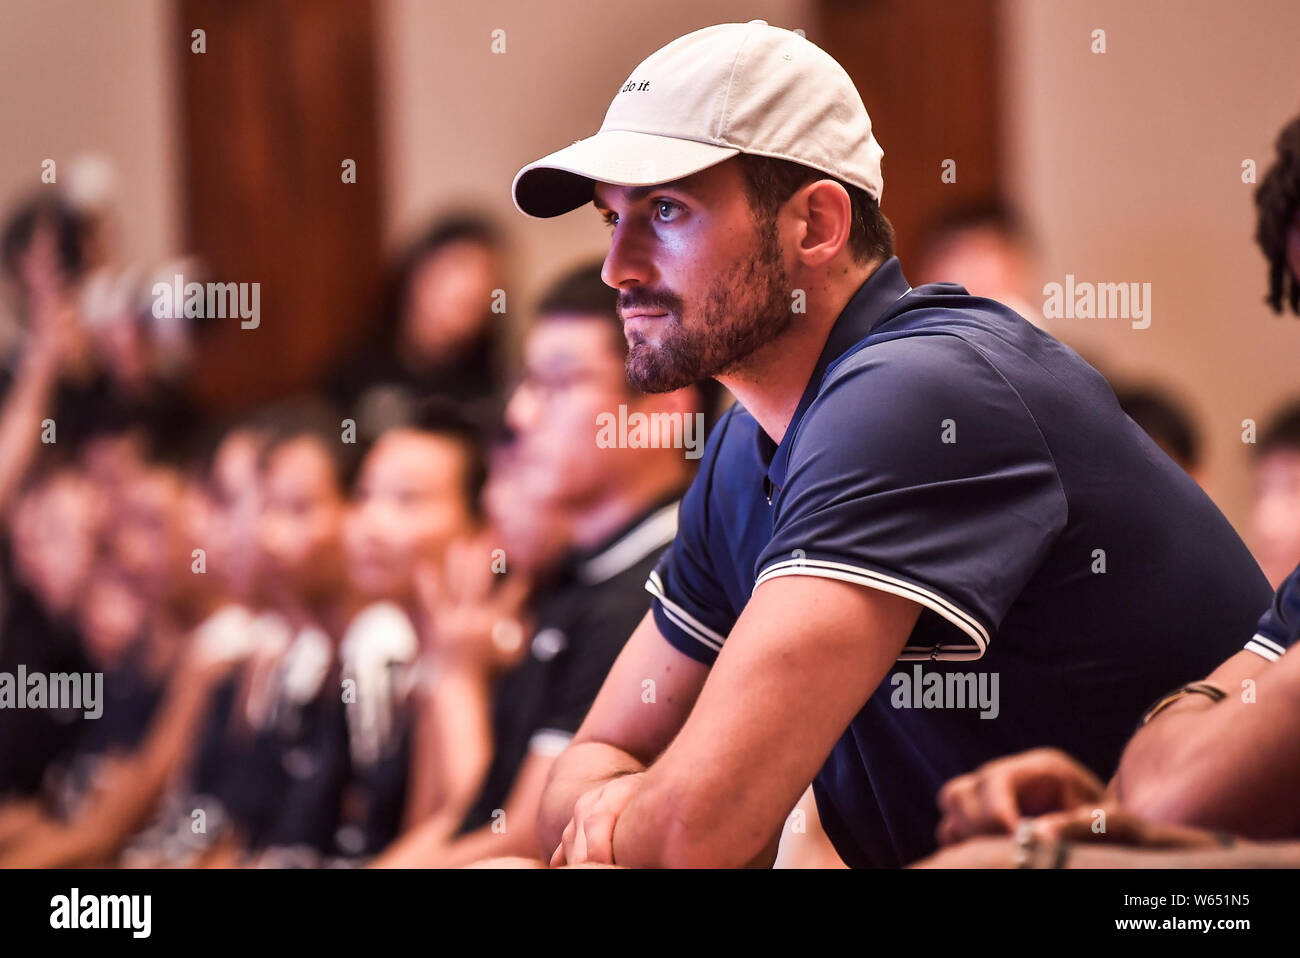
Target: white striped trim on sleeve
column 1264, row 646
column 908, row 590
column 549, row 742
column 681, row 618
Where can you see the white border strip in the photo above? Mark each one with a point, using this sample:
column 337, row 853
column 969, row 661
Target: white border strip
column 1265, row 647
column 693, row 626
column 549, row 742
column 655, row 532
column 875, row 580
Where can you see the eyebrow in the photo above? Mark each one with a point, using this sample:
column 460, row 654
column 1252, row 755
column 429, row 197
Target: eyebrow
column 637, row 193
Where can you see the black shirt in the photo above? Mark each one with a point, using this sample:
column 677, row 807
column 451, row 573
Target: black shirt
column 31, row 740
column 582, row 625
column 281, row 783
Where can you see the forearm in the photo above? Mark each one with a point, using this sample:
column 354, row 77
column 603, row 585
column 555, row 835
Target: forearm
column 661, row 829
column 123, row 805
column 18, row 816
column 52, row 845
column 421, row 846
column 767, row 857
column 485, row 843
column 1233, row 766
column 1242, row 855
column 578, row 770
column 20, row 421
column 455, row 747
column 92, row 839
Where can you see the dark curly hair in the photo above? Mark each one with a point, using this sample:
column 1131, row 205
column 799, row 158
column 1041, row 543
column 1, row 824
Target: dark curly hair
column 1277, row 200
column 69, row 229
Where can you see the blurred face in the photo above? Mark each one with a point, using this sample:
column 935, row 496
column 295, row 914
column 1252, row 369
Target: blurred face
column 38, row 267
column 572, row 374
column 124, row 351
column 450, row 298
column 112, row 615
column 151, row 535
column 519, row 509
column 55, row 531
column 111, row 462
column 236, row 510
column 983, row 261
column 301, row 526
column 1275, row 516
column 410, row 503
column 701, row 283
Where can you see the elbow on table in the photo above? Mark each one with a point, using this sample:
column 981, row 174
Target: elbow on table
column 1166, row 802
column 693, row 835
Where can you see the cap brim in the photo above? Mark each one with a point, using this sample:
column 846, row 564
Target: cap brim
column 564, row 180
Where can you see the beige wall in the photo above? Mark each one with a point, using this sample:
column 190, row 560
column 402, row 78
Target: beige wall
column 459, row 121
column 82, row 76
column 1128, row 164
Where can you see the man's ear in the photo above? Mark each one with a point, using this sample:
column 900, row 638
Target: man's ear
column 825, row 214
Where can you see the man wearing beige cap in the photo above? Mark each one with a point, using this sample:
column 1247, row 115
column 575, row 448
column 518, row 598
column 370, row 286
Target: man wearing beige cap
column 925, row 536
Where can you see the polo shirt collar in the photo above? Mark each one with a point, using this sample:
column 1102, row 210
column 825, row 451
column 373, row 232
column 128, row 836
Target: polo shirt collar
column 867, row 308
column 651, row 530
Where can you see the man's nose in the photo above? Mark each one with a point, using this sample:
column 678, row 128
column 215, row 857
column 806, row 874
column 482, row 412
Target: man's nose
column 270, row 540
column 522, row 409
column 628, row 260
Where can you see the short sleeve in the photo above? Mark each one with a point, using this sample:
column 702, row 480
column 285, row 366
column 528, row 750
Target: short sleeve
column 690, row 604
column 919, row 471
column 1276, row 631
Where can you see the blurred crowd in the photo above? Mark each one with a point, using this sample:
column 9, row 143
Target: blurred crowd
column 348, row 627
column 356, row 627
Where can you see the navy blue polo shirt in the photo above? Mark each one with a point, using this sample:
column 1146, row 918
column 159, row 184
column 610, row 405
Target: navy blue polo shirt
column 1280, row 623
column 948, row 451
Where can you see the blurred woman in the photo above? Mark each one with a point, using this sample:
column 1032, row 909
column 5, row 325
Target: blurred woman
column 442, row 334
column 479, row 603
column 44, row 565
column 190, row 820
column 284, row 784
column 417, row 495
column 140, row 605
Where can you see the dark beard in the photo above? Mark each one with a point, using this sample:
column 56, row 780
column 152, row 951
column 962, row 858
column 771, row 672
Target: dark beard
column 734, row 318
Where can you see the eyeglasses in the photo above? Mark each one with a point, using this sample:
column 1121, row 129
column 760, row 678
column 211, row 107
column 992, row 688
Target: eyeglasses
column 546, row 387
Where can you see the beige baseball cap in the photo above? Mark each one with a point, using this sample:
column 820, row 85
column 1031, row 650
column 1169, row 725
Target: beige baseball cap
column 727, row 89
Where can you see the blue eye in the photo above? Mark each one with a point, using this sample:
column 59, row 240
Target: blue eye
column 673, row 207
